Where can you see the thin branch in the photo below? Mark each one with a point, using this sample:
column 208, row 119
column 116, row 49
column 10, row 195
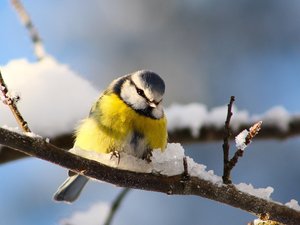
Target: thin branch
column 226, row 146
column 253, row 131
column 185, row 175
column 227, row 194
column 12, row 105
column 116, row 204
column 39, row 49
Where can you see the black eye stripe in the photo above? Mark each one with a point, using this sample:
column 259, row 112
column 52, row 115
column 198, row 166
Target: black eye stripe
column 141, row 92
column 138, row 90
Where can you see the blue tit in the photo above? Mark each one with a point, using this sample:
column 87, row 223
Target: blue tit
column 128, row 117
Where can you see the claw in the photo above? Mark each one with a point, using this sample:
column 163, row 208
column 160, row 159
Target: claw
column 115, row 154
column 147, row 156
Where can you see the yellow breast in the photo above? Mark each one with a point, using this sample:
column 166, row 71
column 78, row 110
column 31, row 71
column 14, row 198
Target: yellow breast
column 111, row 122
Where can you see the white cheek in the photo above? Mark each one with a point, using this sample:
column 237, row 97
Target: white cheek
column 158, row 112
column 131, row 97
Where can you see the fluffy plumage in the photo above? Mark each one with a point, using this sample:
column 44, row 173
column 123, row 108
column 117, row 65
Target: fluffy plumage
column 112, row 125
column 128, row 117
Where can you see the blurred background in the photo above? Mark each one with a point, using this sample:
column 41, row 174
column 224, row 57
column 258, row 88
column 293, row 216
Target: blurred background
column 206, row 50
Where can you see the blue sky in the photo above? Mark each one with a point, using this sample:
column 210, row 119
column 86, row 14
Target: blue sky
column 199, row 46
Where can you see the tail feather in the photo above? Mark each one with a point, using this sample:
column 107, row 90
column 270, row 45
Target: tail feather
column 71, row 188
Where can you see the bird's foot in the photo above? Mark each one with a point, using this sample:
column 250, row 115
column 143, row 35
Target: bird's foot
column 116, row 154
column 147, row 156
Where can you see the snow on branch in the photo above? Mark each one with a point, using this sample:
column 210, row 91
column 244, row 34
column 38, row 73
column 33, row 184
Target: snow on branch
column 203, row 125
column 186, row 123
column 172, row 184
column 242, row 140
column 192, row 122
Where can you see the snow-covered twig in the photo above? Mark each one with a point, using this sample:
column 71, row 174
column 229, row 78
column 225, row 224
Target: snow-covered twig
column 39, row 49
column 12, row 105
column 242, row 141
column 227, row 194
column 244, row 138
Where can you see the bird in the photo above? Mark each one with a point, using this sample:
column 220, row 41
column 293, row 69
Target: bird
column 127, row 117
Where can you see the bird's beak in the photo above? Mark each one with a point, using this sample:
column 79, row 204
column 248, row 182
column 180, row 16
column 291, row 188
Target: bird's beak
column 152, row 105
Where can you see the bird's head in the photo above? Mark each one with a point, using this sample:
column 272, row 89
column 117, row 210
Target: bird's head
column 143, row 91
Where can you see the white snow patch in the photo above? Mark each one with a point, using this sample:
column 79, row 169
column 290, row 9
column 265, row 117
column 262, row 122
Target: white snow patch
column 53, row 97
column 195, row 115
column 13, row 129
column 239, row 117
column 127, row 162
column 277, row 116
column 293, row 204
column 258, row 222
column 33, row 135
column 264, row 193
column 168, row 162
column 95, row 215
column 186, row 116
column 240, row 140
column 216, row 116
column 199, row 170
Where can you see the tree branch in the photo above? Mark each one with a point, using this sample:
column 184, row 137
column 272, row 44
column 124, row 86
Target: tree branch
column 211, row 133
column 253, row 131
column 227, row 194
column 34, row 35
column 206, row 134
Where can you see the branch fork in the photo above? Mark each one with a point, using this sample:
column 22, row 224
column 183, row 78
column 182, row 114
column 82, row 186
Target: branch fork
column 242, row 141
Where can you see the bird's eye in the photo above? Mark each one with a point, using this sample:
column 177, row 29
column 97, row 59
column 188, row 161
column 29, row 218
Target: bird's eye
column 140, row 92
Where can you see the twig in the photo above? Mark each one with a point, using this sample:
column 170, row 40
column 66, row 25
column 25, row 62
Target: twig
column 229, row 164
column 116, row 204
column 227, row 134
column 185, row 174
column 39, row 49
column 253, row 131
column 227, row 194
column 12, row 105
